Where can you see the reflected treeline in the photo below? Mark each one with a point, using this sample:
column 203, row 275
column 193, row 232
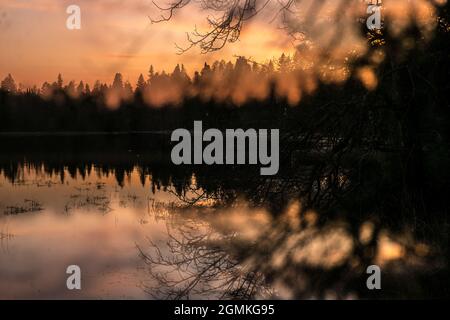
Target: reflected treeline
column 243, row 253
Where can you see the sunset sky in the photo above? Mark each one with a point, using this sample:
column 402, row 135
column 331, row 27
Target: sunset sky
column 115, row 36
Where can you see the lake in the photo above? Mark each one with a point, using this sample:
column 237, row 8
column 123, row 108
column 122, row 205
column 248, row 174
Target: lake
column 139, row 227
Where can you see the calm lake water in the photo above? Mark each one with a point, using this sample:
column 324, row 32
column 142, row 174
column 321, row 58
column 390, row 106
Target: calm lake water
column 47, row 225
column 148, row 231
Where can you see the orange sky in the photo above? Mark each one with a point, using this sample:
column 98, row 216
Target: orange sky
column 116, row 36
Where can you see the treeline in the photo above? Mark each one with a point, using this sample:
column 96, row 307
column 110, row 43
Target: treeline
column 159, row 101
column 179, row 74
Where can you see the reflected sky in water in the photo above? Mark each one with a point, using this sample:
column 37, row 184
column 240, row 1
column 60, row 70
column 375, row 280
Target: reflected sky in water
column 92, row 223
column 134, row 242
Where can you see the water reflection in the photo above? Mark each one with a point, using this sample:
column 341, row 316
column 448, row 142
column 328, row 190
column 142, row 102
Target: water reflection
column 47, row 224
column 136, row 241
column 245, row 253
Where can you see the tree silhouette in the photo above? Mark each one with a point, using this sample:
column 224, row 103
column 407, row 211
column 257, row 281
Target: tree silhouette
column 118, row 81
column 8, row 84
column 151, row 74
column 128, row 88
column 140, row 85
column 80, row 88
column 70, row 88
column 60, row 81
